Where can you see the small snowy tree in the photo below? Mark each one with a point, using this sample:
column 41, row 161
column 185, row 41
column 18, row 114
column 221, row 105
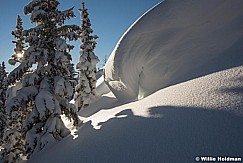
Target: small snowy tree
column 3, row 89
column 46, row 90
column 13, row 139
column 85, row 91
column 104, row 60
column 19, row 42
column 73, row 76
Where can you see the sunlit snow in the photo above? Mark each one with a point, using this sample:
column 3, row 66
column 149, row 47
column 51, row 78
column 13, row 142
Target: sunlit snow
column 187, row 58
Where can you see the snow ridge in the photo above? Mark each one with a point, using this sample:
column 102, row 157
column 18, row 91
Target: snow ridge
column 166, row 46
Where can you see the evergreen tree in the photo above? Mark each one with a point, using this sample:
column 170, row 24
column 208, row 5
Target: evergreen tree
column 73, row 76
column 85, row 91
column 13, row 139
column 46, row 90
column 104, row 60
column 19, row 42
column 3, row 89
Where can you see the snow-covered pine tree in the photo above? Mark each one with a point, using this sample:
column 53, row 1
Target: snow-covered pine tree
column 73, row 76
column 46, row 90
column 85, row 91
column 19, row 42
column 13, row 139
column 3, row 89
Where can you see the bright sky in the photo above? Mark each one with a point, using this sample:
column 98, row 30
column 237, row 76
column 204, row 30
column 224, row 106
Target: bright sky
column 109, row 18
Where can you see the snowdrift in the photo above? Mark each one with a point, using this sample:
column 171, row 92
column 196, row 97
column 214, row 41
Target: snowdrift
column 201, row 117
column 174, row 42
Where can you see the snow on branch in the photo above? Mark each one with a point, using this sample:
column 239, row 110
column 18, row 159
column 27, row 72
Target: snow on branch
column 62, row 87
column 63, row 15
column 18, row 72
column 23, row 96
column 28, row 9
column 46, row 103
column 30, row 79
column 68, row 32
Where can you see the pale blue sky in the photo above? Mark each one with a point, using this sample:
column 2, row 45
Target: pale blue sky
column 109, row 19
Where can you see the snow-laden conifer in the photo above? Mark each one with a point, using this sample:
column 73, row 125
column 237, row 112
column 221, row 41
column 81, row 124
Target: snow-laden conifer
column 44, row 73
column 19, row 42
column 13, row 138
column 85, row 90
column 3, row 89
column 73, row 76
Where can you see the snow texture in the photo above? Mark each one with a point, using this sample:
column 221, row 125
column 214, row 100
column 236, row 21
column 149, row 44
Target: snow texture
column 195, row 118
column 101, row 87
column 12, row 90
column 22, row 95
column 176, row 41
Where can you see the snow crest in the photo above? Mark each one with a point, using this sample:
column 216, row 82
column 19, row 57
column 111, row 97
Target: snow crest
column 169, row 45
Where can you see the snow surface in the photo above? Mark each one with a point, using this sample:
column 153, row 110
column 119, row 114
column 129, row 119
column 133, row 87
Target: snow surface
column 191, row 49
column 101, row 87
column 175, row 42
column 201, row 117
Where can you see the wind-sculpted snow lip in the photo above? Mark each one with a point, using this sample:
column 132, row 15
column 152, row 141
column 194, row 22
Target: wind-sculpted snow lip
column 174, row 42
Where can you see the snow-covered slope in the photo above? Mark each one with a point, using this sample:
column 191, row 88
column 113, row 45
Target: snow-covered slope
column 174, row 42
column 200, row 117
column 197, row 54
